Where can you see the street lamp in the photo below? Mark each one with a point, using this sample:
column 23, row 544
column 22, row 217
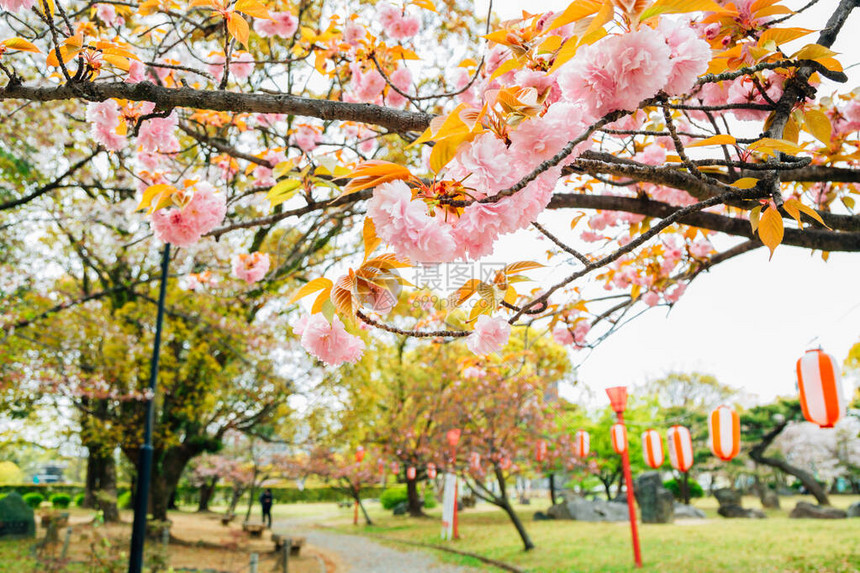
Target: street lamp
column 144, row 468
column 618, row 401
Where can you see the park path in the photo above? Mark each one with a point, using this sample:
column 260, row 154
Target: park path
column 359, row 554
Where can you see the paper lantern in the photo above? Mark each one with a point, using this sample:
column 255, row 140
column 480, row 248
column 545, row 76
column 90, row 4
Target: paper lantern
column 724, row 428
column 618, row 433
column 453, row 437
column 820, row 388
column 680, row 448
column 617, row 398
column 359, row 454
column 581, row 443
column 380, row 466
column 475, row 462
column 431, row 470
column 395, row 468
column 410, row 473
column 540, row 450
column 652, row 448
column 505, row 463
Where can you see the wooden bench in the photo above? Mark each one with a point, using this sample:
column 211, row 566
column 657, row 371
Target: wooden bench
column 254, row 528
column 296, row 543
column 226, row 519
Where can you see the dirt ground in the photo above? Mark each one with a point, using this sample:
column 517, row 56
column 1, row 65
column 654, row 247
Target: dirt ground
column 198, row 541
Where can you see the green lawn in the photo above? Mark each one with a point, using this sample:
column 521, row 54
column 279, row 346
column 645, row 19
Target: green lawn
column 777, row 544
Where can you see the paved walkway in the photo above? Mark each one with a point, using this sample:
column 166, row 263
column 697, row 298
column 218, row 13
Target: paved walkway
column 358, row 554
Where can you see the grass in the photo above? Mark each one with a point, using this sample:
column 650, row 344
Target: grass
column 776, row 544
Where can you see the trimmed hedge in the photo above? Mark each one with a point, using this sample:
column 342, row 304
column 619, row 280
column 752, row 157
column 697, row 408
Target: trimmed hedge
column 189, row 495
column 695, row 489
column 79, row 500
column 33, row 499
column 61, row 500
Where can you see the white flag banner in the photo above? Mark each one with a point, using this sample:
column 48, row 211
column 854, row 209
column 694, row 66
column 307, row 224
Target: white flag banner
column 449, row 498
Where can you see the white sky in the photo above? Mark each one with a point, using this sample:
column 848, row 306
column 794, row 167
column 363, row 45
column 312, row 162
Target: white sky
column 748, row 320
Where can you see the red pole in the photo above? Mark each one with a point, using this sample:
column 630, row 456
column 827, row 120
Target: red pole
column 628, row 479
column 355, row 517
column 456, row 521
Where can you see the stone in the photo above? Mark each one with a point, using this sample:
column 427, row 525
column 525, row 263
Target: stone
column 804, row 509
column 727, row 496
column 769, row 499
column 854, row 509
column 17, row 519
column 580, row 509
column 541, row 516
column 400, row 508
column 736, row 511
column 656, row 503
column 688, row 511
column 620, row 498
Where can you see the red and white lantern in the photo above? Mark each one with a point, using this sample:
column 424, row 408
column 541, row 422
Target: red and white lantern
column 453, row 437
column 581, row 443
column 359, row 454
column 410, row 473
column 380, row 467
column 431, row 470
column 820, row 388
column 475, row 462
column 724, row 429
column 680, row 448
column 618, row 433
column 395, row 468
column 540, row 451
column 652, row 448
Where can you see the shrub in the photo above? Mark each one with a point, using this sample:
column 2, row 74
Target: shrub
column 61, row 500
column 695, row 489
column 429, row 501
column 34, row 500
column 393, row 496
column 124, row 500
column 79, row 500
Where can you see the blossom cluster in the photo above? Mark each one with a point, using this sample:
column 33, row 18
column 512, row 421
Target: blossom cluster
column 195, row 211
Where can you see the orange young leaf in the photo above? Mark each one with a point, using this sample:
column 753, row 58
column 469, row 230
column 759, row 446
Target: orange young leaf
column 320, row 283
column 253, row 8
column 722, row 139
column 818, row 124
column 520, row 266
column 426, row 4
column 375, row 172
column 460, row 295
column 782, row 35
column 771, row 229
column 794, row 208
column 20, row 44
column 745, row 183
column 680, row 7
column 576, row 10
column 156, row 197
column 565, row 54
column 343, row 294
column 238, row 28
column 371, row 241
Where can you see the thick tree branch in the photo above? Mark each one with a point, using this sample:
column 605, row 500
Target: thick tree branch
column 166, row 98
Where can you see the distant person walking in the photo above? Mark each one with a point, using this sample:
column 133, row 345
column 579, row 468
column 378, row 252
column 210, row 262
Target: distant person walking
column 266, row 502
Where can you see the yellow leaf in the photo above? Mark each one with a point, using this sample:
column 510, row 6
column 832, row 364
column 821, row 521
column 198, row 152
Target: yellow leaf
column 460, row 295
column 505, row 67
column 20, row 44
column 755, row 215
column 521, row 266
column 807, row 211
column 771, row 229
column 680, row 7
column 722, row 139
column 510, row 295
column 238, row 28
column 321, row 283
column 118, row 61
column 768, row 146
column 813, row 52
column 565, row 54
column 426, row 4
column 604, row 15
column 792, row 130
column 161, row 191
column 202, row 4
column 745, row 183
column 253, row 8
column 468, row 63
column 782, row 35
column 576, row 10
column 818, row 124
column 281, row 168
column 283, row 191
column 551, row 44
column 790, row 207
column 371, row 241
column 443, row 152
column 343, row 294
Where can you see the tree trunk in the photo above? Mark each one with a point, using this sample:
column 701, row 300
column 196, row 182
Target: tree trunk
column 552, row 488
column 413, row 500
column 807, row 479
column 100, row 485
column 685, row 488
column 165, row 477
column 207, row 491
column 238, row 490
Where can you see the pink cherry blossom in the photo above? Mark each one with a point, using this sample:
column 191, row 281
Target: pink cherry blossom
column 159, row 135
column 490, row 335
column 15, row 5
column 395, row 23
column 676, row 292
column 105, row 120
column 402, row 79
column 474, row 372
column 651, row 298
column 651, row 155
column 300, row 325
column 306, row 137
column 617, row 72
column 701, row 248
column 407, row 226
column 184, row 225
column 263, row 173
column 743, row 90
column 538, row 139
column 282, row 24
column 330, row 342
column 387, row 14
column 354, row 33
column 366, row 86
column 251, row 267
column 580, row 331
column 483, row 165
column 136, row 72
column 562, row 335
column 241, row 65
column 107, row 14
column 690, row 56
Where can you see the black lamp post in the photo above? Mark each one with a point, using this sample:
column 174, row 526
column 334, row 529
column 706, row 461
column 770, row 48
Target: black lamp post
column 144, row 466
